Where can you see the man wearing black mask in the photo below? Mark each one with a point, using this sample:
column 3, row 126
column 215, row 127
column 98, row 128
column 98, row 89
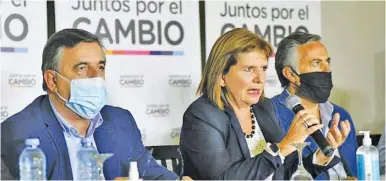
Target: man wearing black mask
column 303, row 67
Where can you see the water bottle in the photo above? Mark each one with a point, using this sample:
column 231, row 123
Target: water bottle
column 87, row 166
column 32, row 161
column 367, row 159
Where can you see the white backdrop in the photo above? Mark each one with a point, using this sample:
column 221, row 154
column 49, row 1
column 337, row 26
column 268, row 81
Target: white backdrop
column 153, row 58
column 153, row 50
column 271, row 20
column 23, row 34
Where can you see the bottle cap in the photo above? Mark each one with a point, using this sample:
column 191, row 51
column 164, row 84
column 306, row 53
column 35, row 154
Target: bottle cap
column 32, row 141
column 366, row 138
column 133, row 173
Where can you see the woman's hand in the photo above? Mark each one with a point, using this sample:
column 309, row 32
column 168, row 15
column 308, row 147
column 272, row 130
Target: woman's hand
column 299, row 131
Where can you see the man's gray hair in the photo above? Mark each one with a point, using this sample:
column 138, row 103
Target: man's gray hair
column 287, row 54
column 66, row 38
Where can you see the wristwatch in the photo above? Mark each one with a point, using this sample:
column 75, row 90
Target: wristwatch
column 274, row 147
column 274, row 150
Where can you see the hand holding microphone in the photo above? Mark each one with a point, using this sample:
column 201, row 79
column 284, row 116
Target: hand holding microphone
column 293, row 102
column 299, row 131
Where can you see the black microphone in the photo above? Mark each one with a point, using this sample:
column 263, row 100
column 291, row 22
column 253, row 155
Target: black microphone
column 293, row 102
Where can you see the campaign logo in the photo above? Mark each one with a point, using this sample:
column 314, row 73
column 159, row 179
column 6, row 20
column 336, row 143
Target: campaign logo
column 22, row 80
column 131, row 81
column 175, row 135
column 157, row 110
column 180, row 80
column 4, row 112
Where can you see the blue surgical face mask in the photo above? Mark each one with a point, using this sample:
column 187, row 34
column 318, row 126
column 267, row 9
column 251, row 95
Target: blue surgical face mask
column 87, row 96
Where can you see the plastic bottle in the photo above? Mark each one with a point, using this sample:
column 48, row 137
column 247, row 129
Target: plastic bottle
column 367, row 159
column 87, row 166
column 32, row 161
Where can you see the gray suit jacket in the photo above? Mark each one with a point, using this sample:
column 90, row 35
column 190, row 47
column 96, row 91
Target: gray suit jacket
column 214, row 147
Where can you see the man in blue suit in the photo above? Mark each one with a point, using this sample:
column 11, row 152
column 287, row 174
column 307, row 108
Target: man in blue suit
column 74, row 109
column 303, row 67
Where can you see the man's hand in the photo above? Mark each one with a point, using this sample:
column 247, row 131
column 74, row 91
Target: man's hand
column 336, row 137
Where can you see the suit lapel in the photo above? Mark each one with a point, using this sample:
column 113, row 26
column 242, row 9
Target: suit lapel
column 271, row 132
column 239, row 132
column 63, row 168
column 105, row 139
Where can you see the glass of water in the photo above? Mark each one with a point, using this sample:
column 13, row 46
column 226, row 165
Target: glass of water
column 301, row 173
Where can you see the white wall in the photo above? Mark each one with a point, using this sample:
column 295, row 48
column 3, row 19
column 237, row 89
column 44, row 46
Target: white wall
column 354, row 34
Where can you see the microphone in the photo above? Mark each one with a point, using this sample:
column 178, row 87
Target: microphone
column 293, row 102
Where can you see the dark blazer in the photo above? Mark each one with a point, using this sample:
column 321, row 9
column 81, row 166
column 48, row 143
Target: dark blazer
column 5, row 175
column 118, row 134
column 214, row 147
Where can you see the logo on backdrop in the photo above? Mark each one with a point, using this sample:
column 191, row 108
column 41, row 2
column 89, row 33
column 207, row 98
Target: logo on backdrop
column 15, row 27
column 131, row 81
column 175, row 135
column 180, row 80
column 131, row 30
column 22, row 80
column 247, row 15
column 4, row 112
column 157, row 110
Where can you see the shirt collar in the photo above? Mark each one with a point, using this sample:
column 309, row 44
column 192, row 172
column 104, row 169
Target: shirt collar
column 326, row 110
column 71, row 130
column 284, row 94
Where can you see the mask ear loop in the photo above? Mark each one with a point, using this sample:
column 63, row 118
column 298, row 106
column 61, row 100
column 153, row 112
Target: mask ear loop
column 292, row 73
column 64, row 78
column 57, row 93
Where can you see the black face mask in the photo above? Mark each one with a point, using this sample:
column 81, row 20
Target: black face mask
column 315, row 86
